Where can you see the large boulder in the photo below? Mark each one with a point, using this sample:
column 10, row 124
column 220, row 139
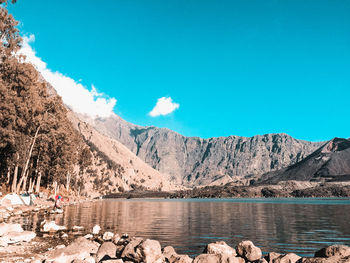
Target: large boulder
column 171, row 256
column 51, row 226
column 335, row 250
column 7, row 228
column 288, row 258
column 129, row 252
column 150, row 251
column 180, row 259
column 15, row 237
column 334, row 259
column 81, row 249
column 107, row 236
column 106, row 251
column 272, row 256
column 248, row 251
column 220, row 248
column 207, row 258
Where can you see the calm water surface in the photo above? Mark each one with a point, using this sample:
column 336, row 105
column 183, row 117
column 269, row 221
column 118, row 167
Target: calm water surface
column 281, row 225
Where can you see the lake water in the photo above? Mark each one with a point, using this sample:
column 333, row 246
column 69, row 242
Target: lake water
column 281, row 225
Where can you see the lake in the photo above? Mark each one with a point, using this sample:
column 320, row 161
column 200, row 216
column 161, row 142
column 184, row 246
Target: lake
column 281, row 225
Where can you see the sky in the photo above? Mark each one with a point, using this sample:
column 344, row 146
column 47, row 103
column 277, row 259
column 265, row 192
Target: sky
column 201, row 68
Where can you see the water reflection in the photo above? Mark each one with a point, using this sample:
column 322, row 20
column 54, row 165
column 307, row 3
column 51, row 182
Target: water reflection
column 300, row 226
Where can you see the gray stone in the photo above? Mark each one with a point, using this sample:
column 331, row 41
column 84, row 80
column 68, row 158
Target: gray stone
column 81, row 249
column 247, row 250
column 15, row 237
column 106, row 251
column 288, row 258
column 6, row 228
column 207, row 258
column 271, row 256
column 150, row 251
column 335, row 250
column 129, row 251
column 220, row 248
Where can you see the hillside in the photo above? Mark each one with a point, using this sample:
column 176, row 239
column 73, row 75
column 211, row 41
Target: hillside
column 124, row 170
column 331, row 162
column 194, row 161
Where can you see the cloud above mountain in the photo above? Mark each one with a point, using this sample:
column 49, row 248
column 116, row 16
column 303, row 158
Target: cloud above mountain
column 73, row 93
column 164, row 106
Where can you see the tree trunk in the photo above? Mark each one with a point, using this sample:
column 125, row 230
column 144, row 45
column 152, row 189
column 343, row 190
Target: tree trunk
column 24, row 171
column 31, row 189
column 38, row 180
column 14, row 181
column 54, row 185
column 8, row 177
column 30, row 184
column 68, row 181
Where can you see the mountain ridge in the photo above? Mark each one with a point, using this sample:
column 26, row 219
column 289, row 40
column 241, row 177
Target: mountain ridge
column 194, row 161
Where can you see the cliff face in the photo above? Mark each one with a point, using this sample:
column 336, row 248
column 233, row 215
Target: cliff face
column 331, row 162
column 194, row 161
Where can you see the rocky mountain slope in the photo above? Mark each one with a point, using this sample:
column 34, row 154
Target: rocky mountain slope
column 117, row 168
column 331, row 162
column 193, row 161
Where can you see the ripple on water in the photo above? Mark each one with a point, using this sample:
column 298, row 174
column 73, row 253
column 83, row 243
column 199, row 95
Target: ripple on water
column 282, row 225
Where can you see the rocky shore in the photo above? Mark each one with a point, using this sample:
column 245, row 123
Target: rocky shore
column 57, row 244
column 108, row 247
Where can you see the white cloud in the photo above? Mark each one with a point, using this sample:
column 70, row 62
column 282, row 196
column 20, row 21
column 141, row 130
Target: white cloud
column 164, row 106
column 74, row 94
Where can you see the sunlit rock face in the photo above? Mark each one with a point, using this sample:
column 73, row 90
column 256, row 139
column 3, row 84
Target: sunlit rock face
column 195, row 161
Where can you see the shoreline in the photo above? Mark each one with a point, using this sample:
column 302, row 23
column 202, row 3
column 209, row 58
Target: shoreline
column 46, row 244
column 291, row 190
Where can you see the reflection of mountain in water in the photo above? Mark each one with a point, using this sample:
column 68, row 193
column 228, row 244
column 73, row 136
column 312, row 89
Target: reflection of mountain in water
column 189, row 226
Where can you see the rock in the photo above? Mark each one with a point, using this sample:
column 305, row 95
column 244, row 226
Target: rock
column 168, row 251
column 114, row 261
column 108, row 236
column 129, row 251
column 150, row 251
column 15, row 237
column 180, row 259
column 106, row 251
column 116, row 238
column 78, row 228
column 51, row 226
column 288, row 258
column 207, row 258
column 6, row 228
column 96, row 230
column 64, row 236
column 271, row 256
column 262, row 260
column 335, row 250
column 171, row 256
column 248, row 251
column 334, row 259
column 3, row 243
column 220, row 248
column 88, row 236
column 60, row 246
column 81, row 249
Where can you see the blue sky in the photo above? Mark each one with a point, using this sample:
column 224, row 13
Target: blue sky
column 233, row 67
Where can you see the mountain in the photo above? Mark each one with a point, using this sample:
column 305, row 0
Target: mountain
column 117, row 168
column 193, row 161
column 331, row 162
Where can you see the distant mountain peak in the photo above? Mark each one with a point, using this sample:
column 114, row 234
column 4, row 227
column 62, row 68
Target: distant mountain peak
column 336, row 145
